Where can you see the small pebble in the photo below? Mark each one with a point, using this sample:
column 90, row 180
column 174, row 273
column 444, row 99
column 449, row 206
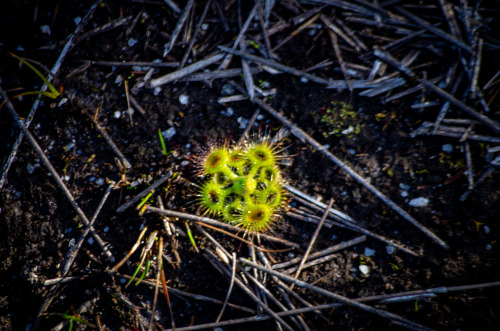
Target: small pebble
column 90, row 240
column 404, row 194
column 183, row 99
column 365, row 270
column 404, row 186
column 62, row 102
column 229, row 112
column 123, row 280
column 117, row 114
column 243, row 122
column 390, row 249
column 419, row 202
column 447, row 148
column 291, row 255
column 167, row 134
column 65, row 178
column 486, row 229
column 488, row 247
column 304, row 80
column 184, row 163
column 77, row 20
column 45, row 29
column 118, row 79
column 260, row 117
column 205, row 26
column 227, row 89
column 30, row 168
column 369, row 252
column 99, row 181
column 132, row 42
column 106, row 229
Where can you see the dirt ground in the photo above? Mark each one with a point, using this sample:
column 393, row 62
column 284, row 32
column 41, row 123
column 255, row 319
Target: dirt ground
column 38, row 224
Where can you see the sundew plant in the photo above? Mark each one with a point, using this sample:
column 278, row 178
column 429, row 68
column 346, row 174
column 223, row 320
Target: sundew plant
column 243, row 184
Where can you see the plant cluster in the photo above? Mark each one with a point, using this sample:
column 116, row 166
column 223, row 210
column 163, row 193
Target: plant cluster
column 244, row 185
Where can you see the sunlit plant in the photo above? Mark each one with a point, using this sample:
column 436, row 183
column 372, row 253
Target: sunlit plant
column 243, row 184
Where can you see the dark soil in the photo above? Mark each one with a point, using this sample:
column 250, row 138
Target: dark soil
column 37, row 222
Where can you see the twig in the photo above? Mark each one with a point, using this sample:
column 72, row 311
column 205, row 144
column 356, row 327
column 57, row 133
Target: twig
column 247, row 74
column 172, row 6
column 333, row 28
column 173, row 76
column 404, row 322
column 249, row 127
column 313, row 240
column 338, row 54
column 438, row 32
column 481, row 178
column 143, row 193
column 329, row 250
column 236, row 43
column 213, row 222
column 228, row 73
column 73, row 251
column 133, row 64
column 306, row 138
column 193, row 38
column 233, row 274
column 157, row 285
column 296, row 31
column 130, row 252
column 352, row 227
column 178, row 28
column 108, row 139
column 275, row 65
column 213, row 260
column 106, row 27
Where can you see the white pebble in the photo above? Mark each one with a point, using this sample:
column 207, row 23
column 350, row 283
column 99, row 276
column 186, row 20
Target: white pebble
column 390, row 249
column 62, row 102
column 65, row 178
column 229, row 112
column 45, row 29
column 118, row 79
column 419, row 202
column 369, row 252
column 205, row 26
column 99, row 181
column 106, row 229
column 260, row 117
column 488, row 247
column 77, row 20
column 132, row 42
column 117, row 114
column 365, row 270
column 90, row 240
column 243, row 122
column 486, row 229
column 184, row 163
column 304, row 80
column 404, row 186
column 183, row 99
column 404, row 194
column 30, row 168
column 167, row 134
column 447, row 148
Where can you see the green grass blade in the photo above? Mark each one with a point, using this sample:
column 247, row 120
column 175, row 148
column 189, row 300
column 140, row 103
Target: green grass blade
column 55, row 93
